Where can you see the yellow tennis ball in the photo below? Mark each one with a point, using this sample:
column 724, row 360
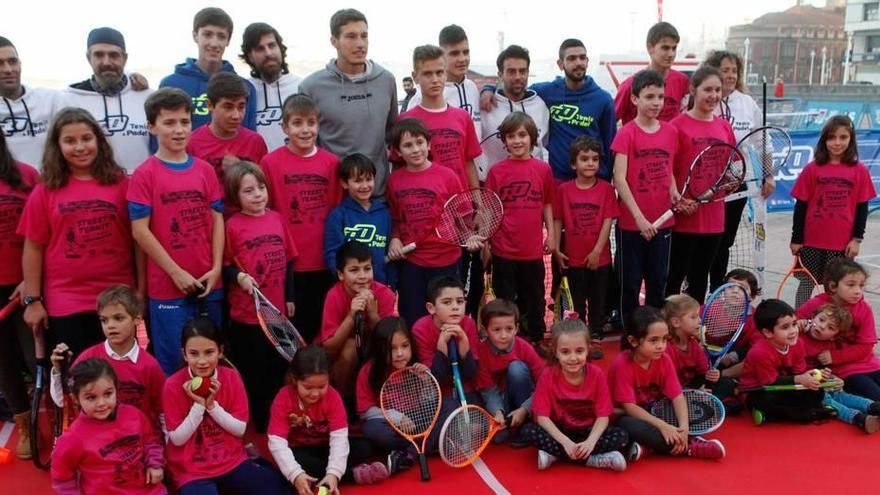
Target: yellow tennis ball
column 817, row 374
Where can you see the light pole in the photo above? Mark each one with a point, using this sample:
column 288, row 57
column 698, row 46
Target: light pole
column 849, row 36
column 746, row 44
column 812, row 60
column 824, row 56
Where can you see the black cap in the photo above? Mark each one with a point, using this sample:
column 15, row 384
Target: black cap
column 106, row 35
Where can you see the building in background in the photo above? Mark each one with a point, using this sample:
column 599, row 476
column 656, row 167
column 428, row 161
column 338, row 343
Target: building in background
column 863, row 25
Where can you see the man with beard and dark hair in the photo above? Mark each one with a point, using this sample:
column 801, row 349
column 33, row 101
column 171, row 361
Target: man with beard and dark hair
column 263, row 49
column 409, row 87
column 109, row 95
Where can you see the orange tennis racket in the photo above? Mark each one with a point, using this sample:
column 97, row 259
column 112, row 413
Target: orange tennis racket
column 410, row 402
column 798, row 285
column 465, row 434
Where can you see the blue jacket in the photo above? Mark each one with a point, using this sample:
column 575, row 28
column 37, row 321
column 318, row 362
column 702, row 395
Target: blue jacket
column 588, row 110
column 349, row 221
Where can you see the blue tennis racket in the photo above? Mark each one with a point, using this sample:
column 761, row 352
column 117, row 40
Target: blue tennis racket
column 723, row 319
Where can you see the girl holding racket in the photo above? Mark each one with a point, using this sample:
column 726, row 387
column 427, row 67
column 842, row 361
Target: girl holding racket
column 832, row 194
column 17, row 181
column 572, row 406
column 258, row 253
column 698, row 227
column 77, row 233
column 644, row 373
column 308, row 432
column 204, row 447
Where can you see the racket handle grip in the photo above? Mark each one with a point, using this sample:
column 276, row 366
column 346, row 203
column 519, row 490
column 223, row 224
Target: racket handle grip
column 663, row 218
column 408, row 248
column 423, row 466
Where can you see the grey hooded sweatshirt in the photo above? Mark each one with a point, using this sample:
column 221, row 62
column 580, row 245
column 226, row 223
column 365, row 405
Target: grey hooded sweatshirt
column 355, row 113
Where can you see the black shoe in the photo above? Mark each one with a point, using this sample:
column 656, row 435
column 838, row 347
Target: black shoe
column 520, row 440
column 398, row 460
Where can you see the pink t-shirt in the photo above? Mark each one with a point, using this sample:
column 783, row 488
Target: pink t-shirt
column 325, row 416
column 364, row 394
column 676, row 88
column 246, row 145
column 582, row 212
column 86, row 232
column 180, row 218
column 832, row 192
column 110, row 456
column 415, row 201
column 690, row 363
column 304, row 189
column 263, row 247
column 211, row 451
column 764, row 363
column 493, row 365
column 337, row 305
column 694, row 136
column 856, row 354
column 572, row 406
column 649, row 158
column 139, row 384
column 425, row 333
column 632, row 384
column 12, row 203
column 453, row 138
column 524, row 187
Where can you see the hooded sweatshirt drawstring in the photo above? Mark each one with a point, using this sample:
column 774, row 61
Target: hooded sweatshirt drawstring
column 27, row 114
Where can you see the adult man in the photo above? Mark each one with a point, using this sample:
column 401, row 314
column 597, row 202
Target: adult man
column 109, row 96
column 409, row 88
column 512, row 96
column 357, row 97
column 263, row 49
column 26, row 111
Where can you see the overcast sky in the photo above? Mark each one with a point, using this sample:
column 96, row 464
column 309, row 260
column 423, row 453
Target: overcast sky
column 51, row 36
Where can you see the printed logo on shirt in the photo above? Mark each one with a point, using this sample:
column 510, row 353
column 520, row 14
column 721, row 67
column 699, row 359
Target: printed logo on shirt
column 446, row 148
column 92, row 224
column 200, row 105
column 269, row 116
column 513, row 195
column 126, row 454
column 648, row 393
column 271, row 259
column 351, row 98
column 11, row 208
column 570, row 114
column 209, row 444
column 833, row 198
column 190, row 218
column 22, row 125
column 418, row 211
column 578, row 408
column 308, row 198
column 654, row 166
column 585, row 216
column 131, row 393
column 366, row 233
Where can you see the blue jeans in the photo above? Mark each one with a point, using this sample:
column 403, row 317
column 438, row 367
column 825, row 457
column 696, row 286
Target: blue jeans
column 167, row 317
column 383, row 436
column 412, row 282
column 846, row 405
column 519, row 389
column 643, row 260
column 249, row 477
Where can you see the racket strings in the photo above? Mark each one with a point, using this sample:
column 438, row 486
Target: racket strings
column 278, row 328
column 477, row 212
column 464, row 435
column 717, row 170
column 801, row 284
column 411, row 401
column 768, row 150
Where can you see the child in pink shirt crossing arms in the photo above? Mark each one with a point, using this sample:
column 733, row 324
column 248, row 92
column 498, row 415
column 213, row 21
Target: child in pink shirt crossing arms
column 353, row 308
column 584, row 208
column 111, row 448
column 644, row 151
column 176, row 208
column 77, row 237
column 643, row 373
column 509, row 368
column 698, row 228
column 258, row 253
column 308, row 432
column 139, row 378
column 204, row 447
column 572, row 407
column 832, row 194
column 225, row 141
column 852, row 357
column 416, row 195
column 304, row 188
column 525, row 186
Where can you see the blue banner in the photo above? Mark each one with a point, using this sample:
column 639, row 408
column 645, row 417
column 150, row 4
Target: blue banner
column 803, row 144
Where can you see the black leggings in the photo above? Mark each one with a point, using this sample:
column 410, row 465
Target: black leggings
column 691, row 257
column 788, row 405
column 79, row 331
column 522, row 282
column 590, row 286
column 313, row 459
column 645, row 434
column 262, row 369
column 16, row 355
column 613, row 438
column 310, row 291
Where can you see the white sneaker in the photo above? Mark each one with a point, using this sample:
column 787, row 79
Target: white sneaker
column 545, row 460
column 610, row 460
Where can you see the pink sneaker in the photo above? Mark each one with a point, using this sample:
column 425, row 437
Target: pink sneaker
column 367, row 474
column 701, row 448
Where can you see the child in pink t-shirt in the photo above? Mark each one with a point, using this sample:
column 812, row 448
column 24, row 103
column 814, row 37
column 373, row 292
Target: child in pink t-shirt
column 258, row 253
column 111, row 448
column 584, row 209
column 525, row 186
column 308, row 431
column 77, row 233
column 642, row 374
column 139, row 378
column 572, row 406
column 304, row 188
column 699, row 228
column 831, row 209
column 204, row 441
column 644, row 150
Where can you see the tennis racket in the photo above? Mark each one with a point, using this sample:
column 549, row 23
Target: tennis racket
column 717, row 170
column 43, row 409
column 65, row 414
column 705, row 411
column 798, row 286
column 277, row 328
column 488, row 296
column 465, row 434
column 8, row 309
column 723, row 319
column 766, row 150
column 359, row 335
column 563, row 304
column 410, row 402
column 836, row 383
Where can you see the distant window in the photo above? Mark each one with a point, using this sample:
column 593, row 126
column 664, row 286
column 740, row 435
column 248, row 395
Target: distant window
column 872, row 11
column 872, row 44
column 788, row 48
